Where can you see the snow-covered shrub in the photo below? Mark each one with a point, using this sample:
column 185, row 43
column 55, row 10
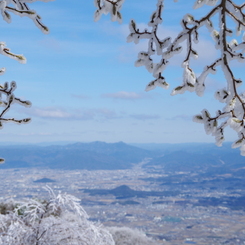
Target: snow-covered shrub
column 61, row 220
column 127, row 236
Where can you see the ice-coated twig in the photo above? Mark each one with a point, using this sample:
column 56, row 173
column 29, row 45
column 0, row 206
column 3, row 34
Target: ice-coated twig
column 21, row 8
column 108, row 6
column 233, row 114
column 7, row 99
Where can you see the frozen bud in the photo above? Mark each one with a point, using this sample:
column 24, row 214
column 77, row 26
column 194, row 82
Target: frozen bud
column 2, row 71
column 235, row 124
column 162, row 83
column 211, row 2
column 13, row 85
column 238, row 82
column 215, row 35
column 238, row 30
column 219, row 138
column 199, row 4
column 209, row 24
column 44, row 28
column 2, row 44
column 238, row 143
column 222, row 95
column 231, row 105
column 1, row 161
column 119, row 17
column 189, row 78
column 189, row 19
column 27, row 103
column 6, row 51
column 209, row 127
column 152, row 85
column 3, row 4
column 161, row 66
column 132, row 26
column 159, row 82
column 114, row 9
column 6, row 86
column 205, row 114
column 233, row 43
column 21, row 58
column 198, row 119
column 31, row 12
column 6, row 16
column 26, row 120
column 97, row 3
column 179, row 90
column 139, row 62
column 194, row 54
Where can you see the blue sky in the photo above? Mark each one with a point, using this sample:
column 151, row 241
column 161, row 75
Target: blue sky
column 84, row 87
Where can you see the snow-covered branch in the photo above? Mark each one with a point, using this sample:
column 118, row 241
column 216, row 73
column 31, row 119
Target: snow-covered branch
column 111, row 7
column 21, row 8
column 233, row 113
column 7, row 97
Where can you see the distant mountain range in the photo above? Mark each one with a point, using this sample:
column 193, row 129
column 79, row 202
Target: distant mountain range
column 91, row 156
column 206, row 158
column 191, row 157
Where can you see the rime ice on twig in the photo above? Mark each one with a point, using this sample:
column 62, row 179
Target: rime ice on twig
column 7, row 99
column 111, row 7
column 20, row 7
column 233, row 113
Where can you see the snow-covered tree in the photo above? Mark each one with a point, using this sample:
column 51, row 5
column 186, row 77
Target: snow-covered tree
column 60, row 220
column 7, row 96
column 127, row 236
column 230, row 16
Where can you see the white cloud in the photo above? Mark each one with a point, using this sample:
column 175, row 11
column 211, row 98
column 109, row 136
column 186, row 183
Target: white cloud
column 144, row 117
column 72, row 114
column 123, row 95
column 181, row 117
column 49, row 113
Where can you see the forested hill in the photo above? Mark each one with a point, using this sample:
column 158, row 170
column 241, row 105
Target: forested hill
column 197, row 157
column 101, row 155
column 91, row 156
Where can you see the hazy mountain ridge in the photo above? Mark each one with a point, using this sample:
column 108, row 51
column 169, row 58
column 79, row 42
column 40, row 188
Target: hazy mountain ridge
column 207, row 158
column 190, row 157
column 91, row 156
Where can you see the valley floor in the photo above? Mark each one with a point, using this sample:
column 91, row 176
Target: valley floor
column 172, row 220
